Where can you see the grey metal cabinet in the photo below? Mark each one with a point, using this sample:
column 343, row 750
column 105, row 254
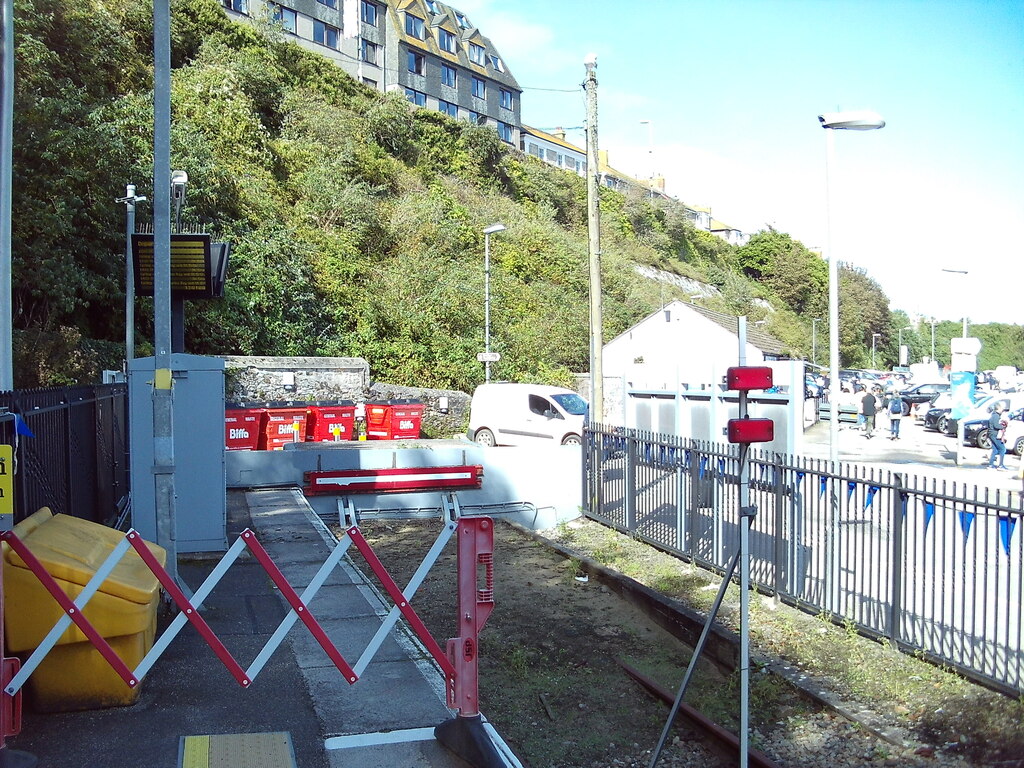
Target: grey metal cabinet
column 198, row 424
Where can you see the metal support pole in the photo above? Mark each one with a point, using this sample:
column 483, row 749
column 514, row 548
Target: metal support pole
column 163, row 398
column 487, row 305
column 746, row 516
column 6, row 187
column 129, row 199
column 594, row 229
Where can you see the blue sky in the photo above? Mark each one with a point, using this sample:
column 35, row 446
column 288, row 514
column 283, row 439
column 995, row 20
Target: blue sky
column 733, row 89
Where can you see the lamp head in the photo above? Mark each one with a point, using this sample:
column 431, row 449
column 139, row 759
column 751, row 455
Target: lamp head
column 590, row 62
column 494, row 228
column 857, row 120
column 179, row 180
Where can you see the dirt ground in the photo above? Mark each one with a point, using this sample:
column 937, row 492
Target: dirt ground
column 549, row 678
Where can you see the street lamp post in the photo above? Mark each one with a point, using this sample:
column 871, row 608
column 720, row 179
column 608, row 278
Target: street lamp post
column 964, row 273
column 650, row 153
column 129, row 200
column 814, row 339
column 488, row 231
column 832, row 122
column 933, row 339
column 874, row 338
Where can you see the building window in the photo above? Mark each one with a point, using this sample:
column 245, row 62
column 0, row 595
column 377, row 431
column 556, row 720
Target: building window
column 369, row 13
column 473, row 117
column 446, row 40
column 449, row 76
column 462, row 21
column 476, row 54
column 417, row 98
column 368, row 52
column 432, row 7
column 452, row 110
column 416, row 63
column 506, row 99
column 414, row 27
column 505, row 131
column 370, row 82
column 238, row 6
column 479, row 88
column 285, row 17
column 329, row 3
column 325, row 34
column 551, row 156
column 496, row 63
column 535, row 150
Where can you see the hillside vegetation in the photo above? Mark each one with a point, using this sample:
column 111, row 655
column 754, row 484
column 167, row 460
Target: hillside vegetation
column 355, row 220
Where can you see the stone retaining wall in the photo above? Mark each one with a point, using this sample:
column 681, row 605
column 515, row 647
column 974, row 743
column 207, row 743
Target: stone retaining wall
column 312, row 379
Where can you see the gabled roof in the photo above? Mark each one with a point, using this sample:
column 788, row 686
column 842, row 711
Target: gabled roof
column 765, row 342
column 757, row 338
column 447, row 18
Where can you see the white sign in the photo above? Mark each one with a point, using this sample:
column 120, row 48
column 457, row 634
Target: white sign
column 968, row 346
column 488, row 357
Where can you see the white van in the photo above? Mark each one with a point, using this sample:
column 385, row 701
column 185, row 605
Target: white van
column 518, row 414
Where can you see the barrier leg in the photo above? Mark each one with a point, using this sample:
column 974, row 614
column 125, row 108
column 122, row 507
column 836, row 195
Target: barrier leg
column 465, row 734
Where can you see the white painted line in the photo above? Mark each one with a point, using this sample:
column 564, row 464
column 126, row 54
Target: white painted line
column 375, row 739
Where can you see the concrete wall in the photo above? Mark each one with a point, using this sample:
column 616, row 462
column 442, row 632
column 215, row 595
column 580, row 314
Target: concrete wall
column 547, row 477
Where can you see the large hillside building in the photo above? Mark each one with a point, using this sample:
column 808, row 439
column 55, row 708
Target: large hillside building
column 423, row 48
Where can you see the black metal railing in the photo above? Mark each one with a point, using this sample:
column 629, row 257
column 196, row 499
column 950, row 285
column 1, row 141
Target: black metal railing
column 933, row 565
column 76, row 460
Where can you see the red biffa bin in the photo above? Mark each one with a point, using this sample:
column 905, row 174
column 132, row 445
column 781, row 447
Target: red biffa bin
column 283, row 425
column 394, row 420
column 330, row 422
column 242, row 427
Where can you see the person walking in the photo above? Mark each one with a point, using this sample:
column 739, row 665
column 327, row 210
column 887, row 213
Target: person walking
column 996, row 427
column 895, row 414
column 868, row 408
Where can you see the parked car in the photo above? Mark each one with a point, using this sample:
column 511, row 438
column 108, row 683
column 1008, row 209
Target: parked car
column 524, row 414
column 922, row 393
column 936, row 417
column 1011, row 402
column 1014, row 437
column 976, row 431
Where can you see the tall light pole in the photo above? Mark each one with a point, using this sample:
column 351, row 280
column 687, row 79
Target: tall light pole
column 874, row 338
column 6, row 192
column 650, row 152
column 899, row 344
column 832, row 122
column 933, row 339
column 964, row 273
column 594, row 229
column 814, row 339
column 129, row 200
column 488, row 231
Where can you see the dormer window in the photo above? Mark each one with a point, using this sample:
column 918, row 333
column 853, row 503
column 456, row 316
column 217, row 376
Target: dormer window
column 462, row 21
column 432, row 7
column 414, row 27
column 477, row 54
column 497, row 63
column 446, row 40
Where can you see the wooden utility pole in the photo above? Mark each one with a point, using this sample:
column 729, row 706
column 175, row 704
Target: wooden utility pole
column 594, row 227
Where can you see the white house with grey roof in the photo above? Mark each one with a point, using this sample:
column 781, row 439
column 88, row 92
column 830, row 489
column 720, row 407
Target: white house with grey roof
column 684, row 346
column 665, row 375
